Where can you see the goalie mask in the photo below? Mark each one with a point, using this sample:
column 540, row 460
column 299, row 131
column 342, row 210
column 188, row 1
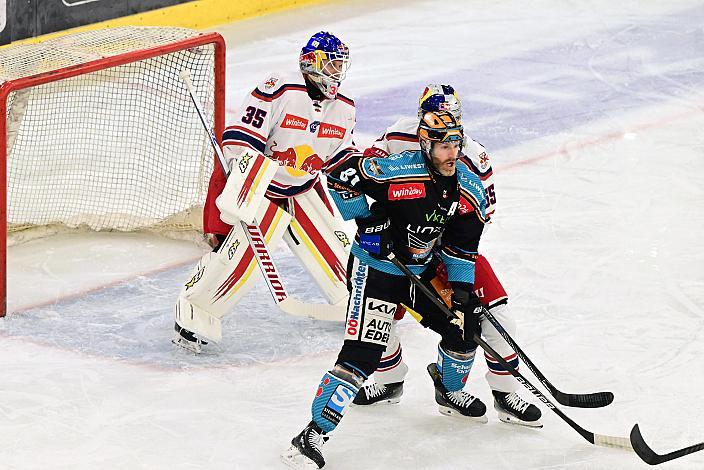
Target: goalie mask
column 325, row 60
column 440, row 98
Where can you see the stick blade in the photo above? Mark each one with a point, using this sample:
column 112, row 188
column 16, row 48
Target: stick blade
column 586, row 400
column 650, row 457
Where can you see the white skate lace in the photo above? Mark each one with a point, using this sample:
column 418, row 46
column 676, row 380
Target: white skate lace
column 517, row 403
column 315, row 439
column 460, row 398
column 374, row 390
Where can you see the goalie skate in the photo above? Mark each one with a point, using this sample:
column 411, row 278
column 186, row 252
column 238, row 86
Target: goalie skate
column 187, row 340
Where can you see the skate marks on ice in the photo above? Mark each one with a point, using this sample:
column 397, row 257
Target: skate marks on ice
column 132, row 321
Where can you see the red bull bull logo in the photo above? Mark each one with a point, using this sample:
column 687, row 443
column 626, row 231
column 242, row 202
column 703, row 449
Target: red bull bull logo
column 298, row 160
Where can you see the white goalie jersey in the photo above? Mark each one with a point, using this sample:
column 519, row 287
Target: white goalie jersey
column 402, row 135
column 303, row 136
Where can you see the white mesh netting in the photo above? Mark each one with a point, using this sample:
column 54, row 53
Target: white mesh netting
column 116, row 149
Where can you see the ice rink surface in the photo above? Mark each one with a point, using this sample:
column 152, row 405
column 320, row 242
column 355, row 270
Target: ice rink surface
column 593, row 113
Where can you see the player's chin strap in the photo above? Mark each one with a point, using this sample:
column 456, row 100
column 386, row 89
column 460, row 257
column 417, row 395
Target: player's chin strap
column 255, row 238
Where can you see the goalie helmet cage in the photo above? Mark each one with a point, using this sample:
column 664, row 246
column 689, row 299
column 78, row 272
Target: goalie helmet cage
column 99, row 131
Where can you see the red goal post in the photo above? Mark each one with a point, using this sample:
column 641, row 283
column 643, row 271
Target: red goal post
column 99, row 131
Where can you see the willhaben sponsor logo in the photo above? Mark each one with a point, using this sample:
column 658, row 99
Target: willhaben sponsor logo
column 331, row 131
column 406, row 191
column 291, row 121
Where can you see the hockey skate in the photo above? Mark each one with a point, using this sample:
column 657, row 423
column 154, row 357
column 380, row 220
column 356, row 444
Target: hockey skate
column 187, row 340
column 379, row 394
column 305, row 450
column 513, row 409
column 459, row 403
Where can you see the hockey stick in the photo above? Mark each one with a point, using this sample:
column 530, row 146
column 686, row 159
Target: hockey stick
column 593, row 438
column 579, row 400
column 256, row 240
column 650, row 457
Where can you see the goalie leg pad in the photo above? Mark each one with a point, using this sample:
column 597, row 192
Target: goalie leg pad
column 221, row 279
column 246, row 186
column 319, row 241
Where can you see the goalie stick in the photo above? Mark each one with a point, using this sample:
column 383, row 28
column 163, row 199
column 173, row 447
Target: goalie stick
column 593, row 438
column 578, row 400
column 256, row 240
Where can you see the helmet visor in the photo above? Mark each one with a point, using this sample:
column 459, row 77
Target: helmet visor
column 453, row 134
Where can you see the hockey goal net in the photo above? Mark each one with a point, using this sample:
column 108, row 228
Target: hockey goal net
column 100, row 133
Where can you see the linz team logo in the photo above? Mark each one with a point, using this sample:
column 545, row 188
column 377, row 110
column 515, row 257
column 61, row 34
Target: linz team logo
column 331, row 131
column 398, row 192
column 291, row 121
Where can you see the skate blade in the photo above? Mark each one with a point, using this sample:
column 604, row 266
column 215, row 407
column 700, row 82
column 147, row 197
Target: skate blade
column 388, row 401
column 456, row 414
column 294, row 459
column 180, row 341
column 509, row 419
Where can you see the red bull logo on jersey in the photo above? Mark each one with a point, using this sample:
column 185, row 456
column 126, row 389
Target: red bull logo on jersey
column 398, row 192
column 298, row 160
column 331, row 131
column 291, row 121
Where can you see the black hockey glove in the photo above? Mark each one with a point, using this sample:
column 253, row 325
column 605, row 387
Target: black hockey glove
column 375, row 234
column 468, row 308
